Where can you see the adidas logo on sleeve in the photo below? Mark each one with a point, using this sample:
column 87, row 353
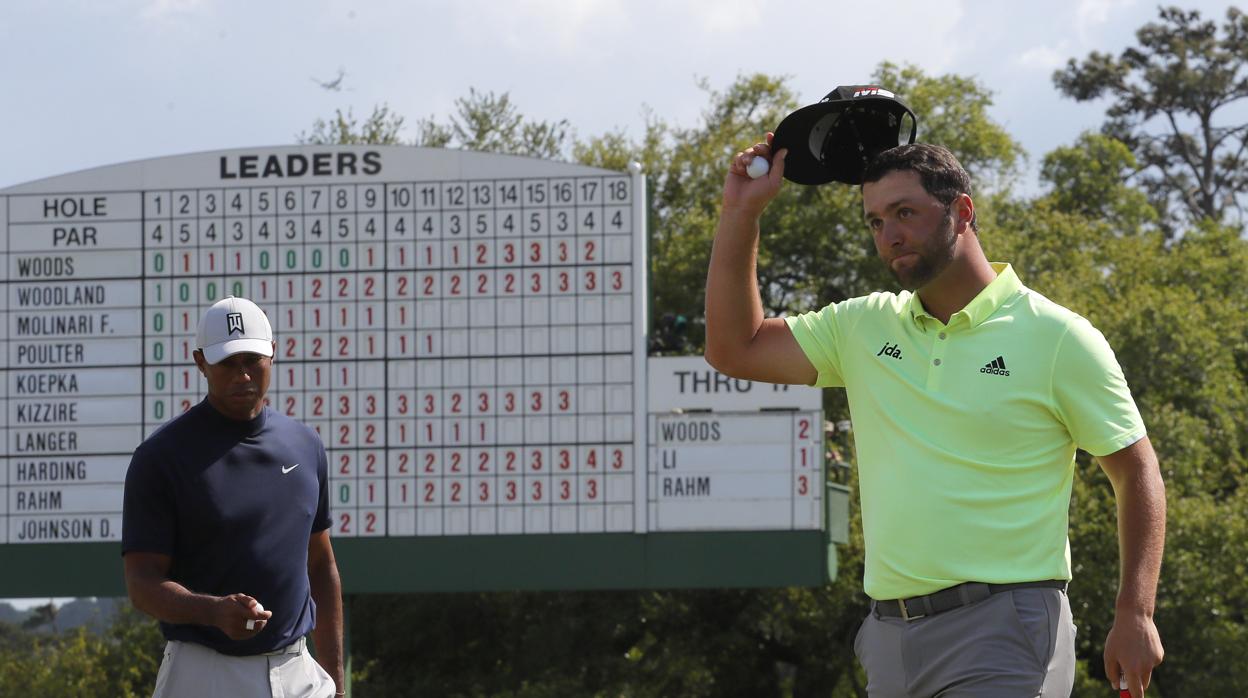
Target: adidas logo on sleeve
column 996, row 367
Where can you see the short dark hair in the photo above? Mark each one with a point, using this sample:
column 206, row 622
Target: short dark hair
column 939, row 171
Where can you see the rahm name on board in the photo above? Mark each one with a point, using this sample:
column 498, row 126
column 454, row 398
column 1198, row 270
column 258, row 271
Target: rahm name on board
column 37, row 500
column 687, row 486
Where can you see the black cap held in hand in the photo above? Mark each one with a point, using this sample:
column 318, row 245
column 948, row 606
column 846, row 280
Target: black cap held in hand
column 834, row 139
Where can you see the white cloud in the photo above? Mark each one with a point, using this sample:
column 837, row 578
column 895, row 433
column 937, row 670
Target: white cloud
column 732, row 16
column 1091, row 14
column 1045, row 58
column 571, row 28
column 164, row 10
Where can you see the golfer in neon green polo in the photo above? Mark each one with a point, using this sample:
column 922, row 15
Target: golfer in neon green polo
column 969, row 394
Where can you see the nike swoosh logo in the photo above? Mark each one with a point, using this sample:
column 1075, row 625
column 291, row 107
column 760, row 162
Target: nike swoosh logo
column 287, row 470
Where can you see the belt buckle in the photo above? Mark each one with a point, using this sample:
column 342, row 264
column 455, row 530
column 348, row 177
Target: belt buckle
column 905, row 613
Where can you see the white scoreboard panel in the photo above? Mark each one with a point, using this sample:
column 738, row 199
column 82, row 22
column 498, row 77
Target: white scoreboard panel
column 736, row 471
column 730, row 454
column 465, row 331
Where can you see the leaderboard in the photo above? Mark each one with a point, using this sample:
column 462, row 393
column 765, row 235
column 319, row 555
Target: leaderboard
column 465, row 332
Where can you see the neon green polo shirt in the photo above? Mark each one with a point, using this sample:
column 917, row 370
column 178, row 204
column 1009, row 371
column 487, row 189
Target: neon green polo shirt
column 966, row 433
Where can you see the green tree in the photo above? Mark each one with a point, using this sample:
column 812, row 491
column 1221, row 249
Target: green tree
column 1177, row 316
column 493, row 123
column 122, row 662
column 1090, row 178
column 380, row 128
column 482, row 121
column 1172, row 98
column 44, row 615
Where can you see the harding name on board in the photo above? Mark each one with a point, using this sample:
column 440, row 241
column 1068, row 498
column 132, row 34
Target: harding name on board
column 50, row 471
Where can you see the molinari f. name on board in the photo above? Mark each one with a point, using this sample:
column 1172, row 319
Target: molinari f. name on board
column 333, row 164
column 61, row 324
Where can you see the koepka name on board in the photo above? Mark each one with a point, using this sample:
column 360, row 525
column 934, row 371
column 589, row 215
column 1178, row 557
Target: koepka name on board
column 45, row 383
column 295, row 165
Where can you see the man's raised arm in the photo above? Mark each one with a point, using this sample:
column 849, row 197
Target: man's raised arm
column 740, row 342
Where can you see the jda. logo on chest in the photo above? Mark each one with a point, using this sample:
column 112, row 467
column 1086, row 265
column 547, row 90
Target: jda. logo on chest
column 890, row 350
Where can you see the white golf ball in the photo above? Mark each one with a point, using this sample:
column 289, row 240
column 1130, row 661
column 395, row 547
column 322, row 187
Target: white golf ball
column 757, row 167
column 251, row 624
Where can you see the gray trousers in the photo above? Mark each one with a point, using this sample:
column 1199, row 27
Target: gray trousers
column 1015, row 644
column 189, row 670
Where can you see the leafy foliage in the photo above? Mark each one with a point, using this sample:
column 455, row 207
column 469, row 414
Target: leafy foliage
column 485, row 122
column 380, row 128
column 78, row 664
column 1171, row 96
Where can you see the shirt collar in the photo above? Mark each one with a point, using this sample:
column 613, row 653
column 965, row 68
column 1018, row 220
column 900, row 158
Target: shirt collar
column 981, row 307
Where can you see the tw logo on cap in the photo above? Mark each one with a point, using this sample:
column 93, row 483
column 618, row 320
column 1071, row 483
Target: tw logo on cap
column 234, row 323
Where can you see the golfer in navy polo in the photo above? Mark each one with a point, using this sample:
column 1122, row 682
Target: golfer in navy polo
column 225, row 531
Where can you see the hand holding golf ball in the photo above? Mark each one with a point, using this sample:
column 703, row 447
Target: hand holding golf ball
column 758, row 167
column 251, row 624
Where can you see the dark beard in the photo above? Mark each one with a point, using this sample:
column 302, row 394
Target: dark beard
column 935, row 257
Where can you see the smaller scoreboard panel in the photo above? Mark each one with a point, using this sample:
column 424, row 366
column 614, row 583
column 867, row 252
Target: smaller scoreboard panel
column 730, row 454
column 736, row 471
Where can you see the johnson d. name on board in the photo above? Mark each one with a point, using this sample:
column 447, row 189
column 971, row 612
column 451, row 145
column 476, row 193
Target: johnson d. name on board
column 294, row 165
column 82, row 528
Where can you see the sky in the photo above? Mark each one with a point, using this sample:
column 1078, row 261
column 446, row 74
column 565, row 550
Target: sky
column 96, row 82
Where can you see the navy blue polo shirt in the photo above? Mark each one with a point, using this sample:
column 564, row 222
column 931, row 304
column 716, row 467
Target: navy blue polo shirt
column 234, row 504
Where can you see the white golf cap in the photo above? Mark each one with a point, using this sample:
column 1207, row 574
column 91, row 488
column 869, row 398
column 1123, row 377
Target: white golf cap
column 233, row 325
